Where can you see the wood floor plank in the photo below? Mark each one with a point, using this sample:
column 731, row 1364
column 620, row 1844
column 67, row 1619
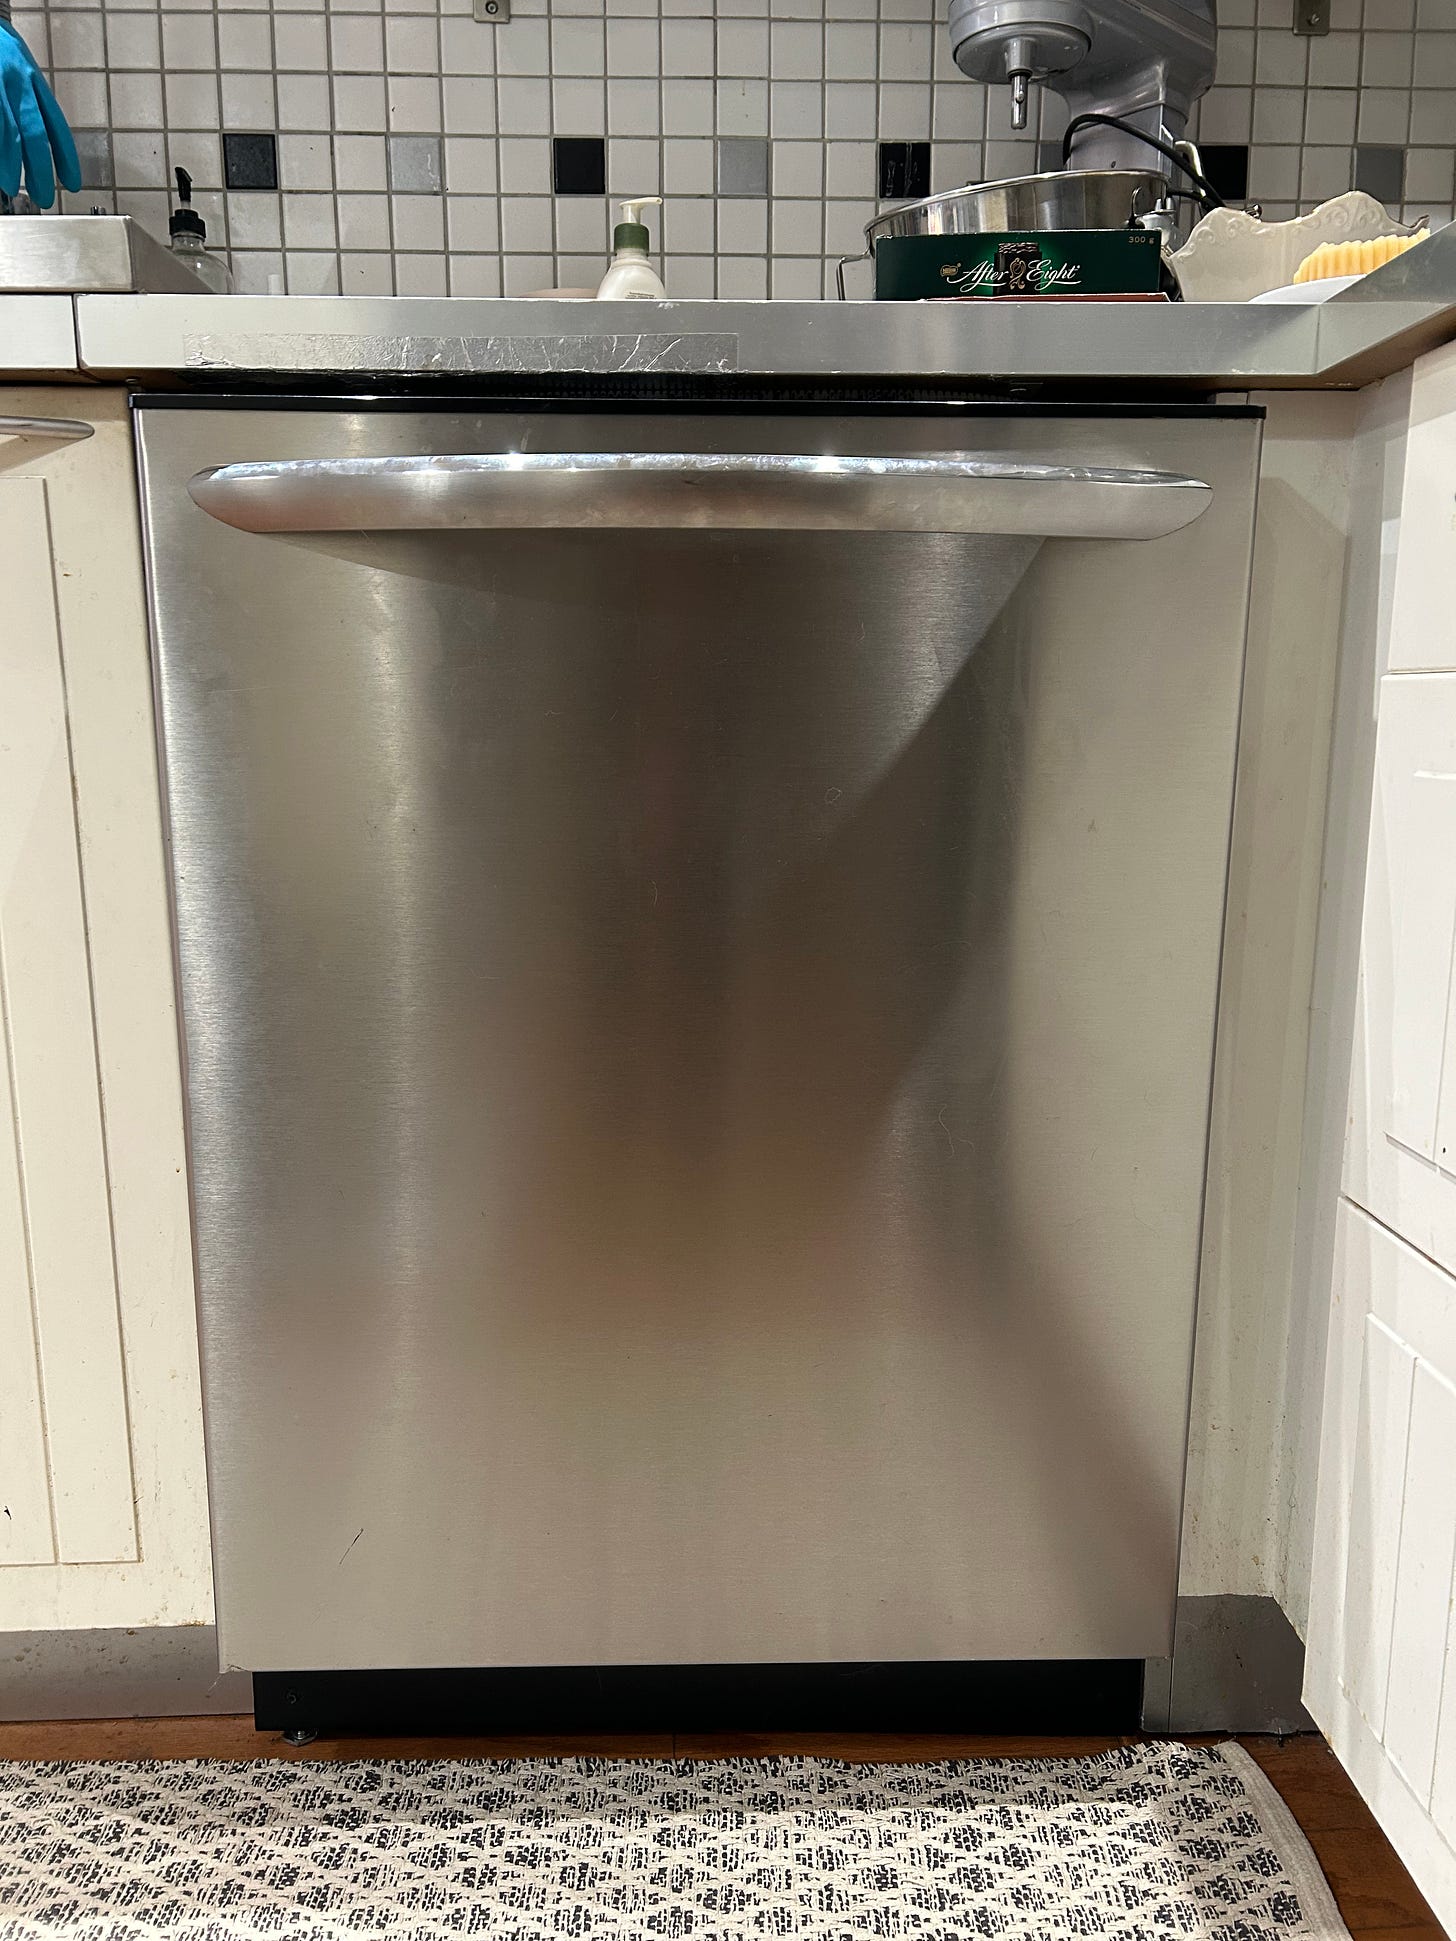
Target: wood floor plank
column 234, row 1738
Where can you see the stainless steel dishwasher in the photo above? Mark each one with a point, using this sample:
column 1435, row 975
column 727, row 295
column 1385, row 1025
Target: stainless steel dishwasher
column 698, row 937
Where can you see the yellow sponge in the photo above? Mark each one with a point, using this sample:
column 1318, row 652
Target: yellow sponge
column 1352, row 259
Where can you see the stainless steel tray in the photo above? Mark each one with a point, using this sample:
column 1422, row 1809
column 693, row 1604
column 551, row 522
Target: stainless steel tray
column 72, row 255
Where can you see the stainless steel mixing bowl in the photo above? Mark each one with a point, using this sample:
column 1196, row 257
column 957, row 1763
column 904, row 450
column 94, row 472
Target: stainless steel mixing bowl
column 1062, row 199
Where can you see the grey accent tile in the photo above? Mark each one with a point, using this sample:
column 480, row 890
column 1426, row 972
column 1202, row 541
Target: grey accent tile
column 1380, row 172
column 743, row 165
column 93, row 147
column 415, row 164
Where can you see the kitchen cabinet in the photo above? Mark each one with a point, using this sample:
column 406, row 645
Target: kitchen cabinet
column 1381, row 1666
column 102, row 1497
column 1382, row 1647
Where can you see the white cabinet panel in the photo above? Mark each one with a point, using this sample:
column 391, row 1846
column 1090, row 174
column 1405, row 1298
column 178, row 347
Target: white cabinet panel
column 1421, row 831
column 1421, row 1633
column 1382, row 1430
column 1423, row 620
column 1381, row 1665
column 1401, row 1154
column 54, row 1084
column 26, row 1536
column 80, row 832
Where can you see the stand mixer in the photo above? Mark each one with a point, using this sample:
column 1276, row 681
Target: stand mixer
column 1143, row 62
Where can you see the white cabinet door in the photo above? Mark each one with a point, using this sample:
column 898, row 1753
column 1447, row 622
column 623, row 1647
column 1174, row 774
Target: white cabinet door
column 1401, row 1155
column 1381, row 1668
column 102, row 1499
column 55, row 1183
column 1381, row 1658
column 1423, row 617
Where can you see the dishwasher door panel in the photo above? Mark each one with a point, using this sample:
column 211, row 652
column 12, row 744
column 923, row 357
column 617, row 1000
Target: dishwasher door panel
column 698, row 1050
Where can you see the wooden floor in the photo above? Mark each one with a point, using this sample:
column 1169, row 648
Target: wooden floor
column 1376, row 1895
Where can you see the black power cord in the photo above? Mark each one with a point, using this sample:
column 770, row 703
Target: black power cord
column 1203, row 189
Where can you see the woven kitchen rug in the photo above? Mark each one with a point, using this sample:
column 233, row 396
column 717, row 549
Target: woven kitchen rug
column 1148, row 1841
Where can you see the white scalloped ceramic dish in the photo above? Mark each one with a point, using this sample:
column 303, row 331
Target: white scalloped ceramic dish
column 1232, row 257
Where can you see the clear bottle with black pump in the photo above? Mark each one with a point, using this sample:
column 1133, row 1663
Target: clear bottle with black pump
column 188, row 242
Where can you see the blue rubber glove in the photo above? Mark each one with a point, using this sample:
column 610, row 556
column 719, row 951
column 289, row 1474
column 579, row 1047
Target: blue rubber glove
column 32, row 127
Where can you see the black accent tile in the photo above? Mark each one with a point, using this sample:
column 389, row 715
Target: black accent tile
column 579, row 165
column 250, row 161
column 1226, row 164
column 904, row 170
column 1381, row 172
column 1048, row 157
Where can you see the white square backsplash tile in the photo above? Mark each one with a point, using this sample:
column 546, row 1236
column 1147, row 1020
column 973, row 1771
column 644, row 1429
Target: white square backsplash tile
column 473, row 109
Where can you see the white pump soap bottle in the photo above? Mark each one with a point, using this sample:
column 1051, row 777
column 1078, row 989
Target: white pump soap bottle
column 630, row 274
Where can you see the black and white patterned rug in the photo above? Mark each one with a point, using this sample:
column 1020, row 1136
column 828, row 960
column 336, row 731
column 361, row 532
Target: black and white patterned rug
column 1150, row 1841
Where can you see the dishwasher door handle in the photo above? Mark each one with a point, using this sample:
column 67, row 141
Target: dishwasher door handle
column 698, row 491
column 59, row 431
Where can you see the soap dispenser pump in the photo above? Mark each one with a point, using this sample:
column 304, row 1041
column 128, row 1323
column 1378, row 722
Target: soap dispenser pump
column 630, row 274
column 188, row 232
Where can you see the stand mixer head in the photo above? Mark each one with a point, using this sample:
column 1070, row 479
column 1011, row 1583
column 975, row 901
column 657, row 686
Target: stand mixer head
column 1145, row 61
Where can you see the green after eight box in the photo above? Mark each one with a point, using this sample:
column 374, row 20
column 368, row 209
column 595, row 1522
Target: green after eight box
column 1069, row 262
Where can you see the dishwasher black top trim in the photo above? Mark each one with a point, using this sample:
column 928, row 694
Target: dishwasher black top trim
column 811, row 401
